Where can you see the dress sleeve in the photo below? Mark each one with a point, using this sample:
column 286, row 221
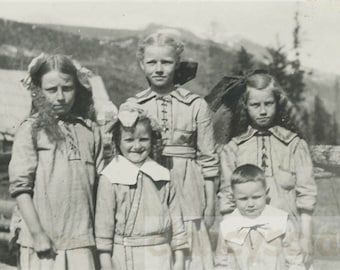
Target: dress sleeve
column 24, row 161
column 291, row 248
column 105, row 215
column 179, row 238
column 306, row 189
column 228, row 164
column 206, row 146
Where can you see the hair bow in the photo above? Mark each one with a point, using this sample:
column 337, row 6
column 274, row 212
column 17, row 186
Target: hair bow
column 130, row 111
column 229, row 89
column 186, row 71
column 33, row 67
column 36, row 63
column 83, row 75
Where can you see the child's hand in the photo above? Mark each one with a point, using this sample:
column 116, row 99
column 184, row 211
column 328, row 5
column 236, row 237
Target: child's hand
column 307, row 249
column 179, row 260
column 105, row 260
column 179, row 265
column 306, row 241
column 43, row 246
column 209, row 216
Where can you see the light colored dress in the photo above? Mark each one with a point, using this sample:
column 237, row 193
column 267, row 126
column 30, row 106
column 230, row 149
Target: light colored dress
column 268, row 241
column 189, row 150
column 287, row 164
column 138, row 218
column 61, row 179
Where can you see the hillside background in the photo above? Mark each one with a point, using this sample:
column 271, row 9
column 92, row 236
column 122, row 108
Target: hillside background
column 110, row 53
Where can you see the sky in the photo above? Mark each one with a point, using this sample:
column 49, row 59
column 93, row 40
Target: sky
column 263, row 22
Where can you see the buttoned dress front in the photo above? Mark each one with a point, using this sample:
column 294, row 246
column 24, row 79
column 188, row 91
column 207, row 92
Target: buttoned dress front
column 61, row 177
column 190, row 152
column 288, row 167
column 138, row 218
column 269, row 241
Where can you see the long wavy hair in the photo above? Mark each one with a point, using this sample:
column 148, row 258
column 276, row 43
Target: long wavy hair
column 45, row 118
column 286, row 114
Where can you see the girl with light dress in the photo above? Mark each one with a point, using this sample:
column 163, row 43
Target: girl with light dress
column 138, row 219
column 188, row 139
column 56, row 155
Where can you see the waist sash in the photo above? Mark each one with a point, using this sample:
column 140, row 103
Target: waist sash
column 135, row 241
column 179, row 151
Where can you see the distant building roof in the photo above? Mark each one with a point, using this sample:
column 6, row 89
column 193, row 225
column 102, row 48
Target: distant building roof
column 15, row 101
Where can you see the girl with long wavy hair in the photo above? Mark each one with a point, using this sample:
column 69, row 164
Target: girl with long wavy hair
column 266, row 132
column 56, row 154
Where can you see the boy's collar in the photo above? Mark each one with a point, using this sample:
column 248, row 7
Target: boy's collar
column 122, row 171
column 179, row 93
column 281, row 133
column 270, row 224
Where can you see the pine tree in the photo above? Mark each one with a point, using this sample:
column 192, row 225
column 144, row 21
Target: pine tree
column 277, row 65
column 337, row 111
column 334, row 132
column 244, row 62
column 289, row 73
column 323, row 126
column 297, row 85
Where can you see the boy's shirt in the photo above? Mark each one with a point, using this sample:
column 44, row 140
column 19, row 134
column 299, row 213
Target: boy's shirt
column 286, row 161
column 266, row 242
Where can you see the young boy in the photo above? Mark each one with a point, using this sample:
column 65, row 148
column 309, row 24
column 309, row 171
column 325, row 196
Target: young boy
column 256, row 236
column 265, row 130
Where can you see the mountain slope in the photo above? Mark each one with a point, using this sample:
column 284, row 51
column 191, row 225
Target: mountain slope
column 113, row 59
column 111, row 54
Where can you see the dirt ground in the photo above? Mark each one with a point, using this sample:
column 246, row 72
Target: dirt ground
column 326, row 224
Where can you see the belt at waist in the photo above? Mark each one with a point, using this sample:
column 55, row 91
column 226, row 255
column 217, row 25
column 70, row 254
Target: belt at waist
column 135, row 241
column 179, row 151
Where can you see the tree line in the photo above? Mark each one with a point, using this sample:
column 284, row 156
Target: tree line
column 321, row 125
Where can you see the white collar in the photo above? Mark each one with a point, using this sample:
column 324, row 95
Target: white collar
column 122, row 171
column 270, row 224
column 181, row 94
column 281, row 133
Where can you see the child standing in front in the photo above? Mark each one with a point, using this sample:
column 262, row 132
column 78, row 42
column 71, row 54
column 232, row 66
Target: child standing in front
column 256, row 236
column 265, row 132
column 138, row 219
column 188, row 140
column 56, row 155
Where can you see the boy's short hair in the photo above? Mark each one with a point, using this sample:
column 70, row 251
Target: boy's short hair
column 248, row 173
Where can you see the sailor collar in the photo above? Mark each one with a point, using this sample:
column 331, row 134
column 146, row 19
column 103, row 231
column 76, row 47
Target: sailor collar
column 181, row 94
column 122, row 171
column 271, row 224
column 69, row 119
column 281, row 133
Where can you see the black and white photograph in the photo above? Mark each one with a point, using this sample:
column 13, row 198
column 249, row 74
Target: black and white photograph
column 170, row 135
